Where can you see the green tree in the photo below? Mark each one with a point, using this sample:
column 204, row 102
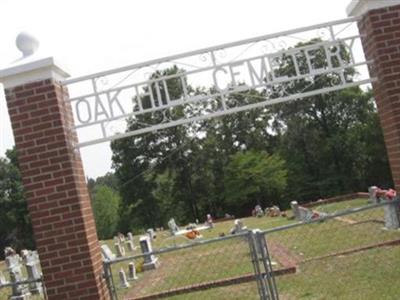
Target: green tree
column 15, row 224
column 106, row 204
column 252, row 178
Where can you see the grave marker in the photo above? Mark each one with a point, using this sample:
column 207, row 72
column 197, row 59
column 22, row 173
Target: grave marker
column 150, row 261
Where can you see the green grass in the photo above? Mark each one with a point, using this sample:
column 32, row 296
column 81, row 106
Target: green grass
column 367, row 275
column 354, row 275
column 371, row 274
column 339, row 206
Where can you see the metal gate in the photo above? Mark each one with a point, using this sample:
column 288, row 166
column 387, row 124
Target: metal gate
column 344, row 254
column 209, row 268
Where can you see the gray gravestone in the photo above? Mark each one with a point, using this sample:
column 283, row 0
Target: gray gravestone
column 119, row 248
column 238, row 227
column 129, row 236
column 13, row 262
column 295, row 209
column 172, row 226
column 132, row 271
column 2, row 279
column 305, row 214
column 121, row 238
column 31, row 260
column 150, row 261
column 372, row 194
column 122, row 278
column 130, row 246
column 107, row 253
column 151, row 233
column 392, row 216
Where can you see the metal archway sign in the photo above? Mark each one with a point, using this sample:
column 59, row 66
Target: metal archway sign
column 103, row 101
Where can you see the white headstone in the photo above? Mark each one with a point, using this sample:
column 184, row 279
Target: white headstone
column 172, row 226
column 151, row 233
column 392, row 216
column 2, row 279
column 31, row 260
column 130, row 236
column 295, row 210
column 150, row 261
column 122, row 278
column 372, row 194
column 119, row 248
column 107, row 253
column 132, row 272
column 130, row 246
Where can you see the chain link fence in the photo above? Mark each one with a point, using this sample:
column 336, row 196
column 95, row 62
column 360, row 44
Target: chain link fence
column 341, row 250
column 219, row 268
column 344, row 251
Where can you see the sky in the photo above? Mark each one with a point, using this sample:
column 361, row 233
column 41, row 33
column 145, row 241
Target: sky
column 95, row 35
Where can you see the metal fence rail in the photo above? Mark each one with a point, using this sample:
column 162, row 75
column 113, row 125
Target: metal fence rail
column 201, row 269
column 343, row 254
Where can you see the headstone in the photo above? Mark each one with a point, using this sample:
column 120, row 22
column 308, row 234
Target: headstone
column 295, row 209
column 13, row 263
column 392, row 216
column 121, row 238
column 372, row 194
column 122, row 278
column 238, row 227
column 132, row 271
column 107, row 253
column 151, row 233
column 119, row 248
column 258, row 211
column 31, row 260
column 305, row 214
column 150, row 261
column 172, row 226
column 130, row 246
column 2, row 279
column 209, row 221
column 129, row 236
column 116, row 239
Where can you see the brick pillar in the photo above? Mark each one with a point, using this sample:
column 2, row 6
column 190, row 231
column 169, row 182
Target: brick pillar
column 380, row 23
column 54, row 180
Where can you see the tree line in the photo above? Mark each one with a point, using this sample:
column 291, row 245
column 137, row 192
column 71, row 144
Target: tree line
column 302, row 150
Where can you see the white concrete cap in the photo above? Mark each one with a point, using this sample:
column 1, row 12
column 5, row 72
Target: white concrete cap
column 360, row 7
column 32, row 66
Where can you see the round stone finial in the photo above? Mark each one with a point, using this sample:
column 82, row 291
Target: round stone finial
column 27, row 43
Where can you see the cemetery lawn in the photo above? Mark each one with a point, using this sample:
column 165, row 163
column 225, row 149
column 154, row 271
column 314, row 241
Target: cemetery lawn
column 369, row 274
column 361, row 275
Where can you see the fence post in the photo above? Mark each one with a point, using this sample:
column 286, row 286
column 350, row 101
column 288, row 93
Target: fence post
column 256, row 265
column 109, row 280
column 268, row 276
